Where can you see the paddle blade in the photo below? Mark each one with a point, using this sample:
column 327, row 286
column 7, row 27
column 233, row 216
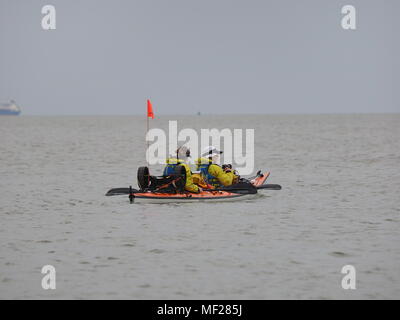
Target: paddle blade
column 119, row 191
column 270, row 187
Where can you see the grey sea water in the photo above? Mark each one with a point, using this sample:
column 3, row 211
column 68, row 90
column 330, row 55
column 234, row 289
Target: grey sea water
column 339, row 205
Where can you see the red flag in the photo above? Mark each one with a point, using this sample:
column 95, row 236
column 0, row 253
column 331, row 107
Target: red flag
column 150, row 113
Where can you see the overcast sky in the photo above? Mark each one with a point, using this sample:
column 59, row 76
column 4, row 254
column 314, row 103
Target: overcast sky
column 212, row 56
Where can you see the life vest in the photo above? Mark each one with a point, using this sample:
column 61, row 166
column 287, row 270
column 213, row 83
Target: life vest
column 202, row 165
column 172, row 163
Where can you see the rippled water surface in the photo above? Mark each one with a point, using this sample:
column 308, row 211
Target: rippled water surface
column 339, row 205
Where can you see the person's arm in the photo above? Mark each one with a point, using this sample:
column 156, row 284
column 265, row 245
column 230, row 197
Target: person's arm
column 190, row 186
column 224, row 178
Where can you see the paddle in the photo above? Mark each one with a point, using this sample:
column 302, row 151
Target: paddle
column 240, row 187
column 120, row 191
column 270, row 187
column 123, row 191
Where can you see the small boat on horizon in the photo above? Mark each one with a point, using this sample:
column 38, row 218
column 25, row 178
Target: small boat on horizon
column 9, row 109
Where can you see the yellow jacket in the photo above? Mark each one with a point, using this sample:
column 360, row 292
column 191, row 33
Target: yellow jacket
column 224, row 178
column 214, row 174
column 170, row 167
column 189, row 186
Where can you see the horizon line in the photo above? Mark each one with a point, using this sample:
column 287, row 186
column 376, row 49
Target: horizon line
column 203, row 114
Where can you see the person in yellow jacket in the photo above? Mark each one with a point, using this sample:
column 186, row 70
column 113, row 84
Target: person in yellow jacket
column 181, row 156
column 214, row 174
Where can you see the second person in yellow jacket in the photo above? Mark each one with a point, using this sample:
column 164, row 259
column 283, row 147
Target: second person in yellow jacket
column 214, row 174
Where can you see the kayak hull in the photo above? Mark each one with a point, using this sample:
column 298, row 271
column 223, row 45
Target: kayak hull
column 231, row 193
column 206, row 196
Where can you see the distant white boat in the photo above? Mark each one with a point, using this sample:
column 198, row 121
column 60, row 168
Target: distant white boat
column 9, row 109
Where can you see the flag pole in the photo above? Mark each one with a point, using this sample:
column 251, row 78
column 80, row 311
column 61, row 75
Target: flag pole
column 149, row 114
column 147, row 142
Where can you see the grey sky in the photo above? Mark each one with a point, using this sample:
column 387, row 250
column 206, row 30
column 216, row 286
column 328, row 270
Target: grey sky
column 213, row 56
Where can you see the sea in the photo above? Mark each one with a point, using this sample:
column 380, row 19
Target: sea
column 339, row 206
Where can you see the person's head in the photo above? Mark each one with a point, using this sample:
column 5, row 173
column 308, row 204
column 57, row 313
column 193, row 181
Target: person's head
column 183, row 153
column 211, row 153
